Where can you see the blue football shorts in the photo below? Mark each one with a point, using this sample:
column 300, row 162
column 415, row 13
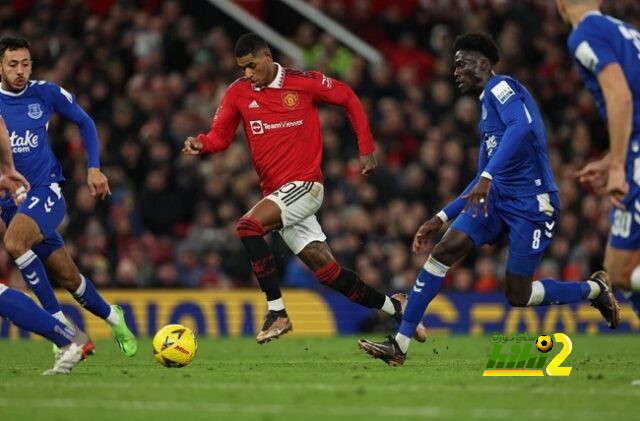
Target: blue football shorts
column 625, row 224
column 528, row 221
column 46, row 206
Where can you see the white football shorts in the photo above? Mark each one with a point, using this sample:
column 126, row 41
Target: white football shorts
column 299, row 201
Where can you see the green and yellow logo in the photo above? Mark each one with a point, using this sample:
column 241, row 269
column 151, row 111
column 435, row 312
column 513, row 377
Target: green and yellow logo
column 522, row 359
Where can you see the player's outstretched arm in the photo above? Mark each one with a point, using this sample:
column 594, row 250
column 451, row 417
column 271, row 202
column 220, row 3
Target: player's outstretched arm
column 223, row 127
column 65, row 104
column 617, row 97
column 449, row 212
column 596, row 174
column 335, row 92
column 192, row 146
column 10, row 180
column 455, row 207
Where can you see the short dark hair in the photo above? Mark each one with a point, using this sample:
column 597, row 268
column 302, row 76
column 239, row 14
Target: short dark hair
column 249, row 44
column 13, row 43
column 479, row 42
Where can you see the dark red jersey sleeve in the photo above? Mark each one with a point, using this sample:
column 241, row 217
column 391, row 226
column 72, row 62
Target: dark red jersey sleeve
column 332, row 91
column 223, row 126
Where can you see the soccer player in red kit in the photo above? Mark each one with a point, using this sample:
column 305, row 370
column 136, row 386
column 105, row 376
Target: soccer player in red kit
column 278, row 109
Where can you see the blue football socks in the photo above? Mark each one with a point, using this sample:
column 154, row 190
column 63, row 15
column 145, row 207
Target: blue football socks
column 36, row 278
column 88, row 297
column 25, row 313
column 556, row 292
column 427, row 286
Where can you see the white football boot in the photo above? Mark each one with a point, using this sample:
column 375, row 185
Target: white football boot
column 70, row 355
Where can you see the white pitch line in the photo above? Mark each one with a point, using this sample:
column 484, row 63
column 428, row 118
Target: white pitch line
column 330, row 387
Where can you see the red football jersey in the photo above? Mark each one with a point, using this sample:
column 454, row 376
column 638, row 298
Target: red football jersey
column 282, row 126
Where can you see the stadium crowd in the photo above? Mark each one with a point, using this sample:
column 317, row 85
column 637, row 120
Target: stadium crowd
column 151, row 76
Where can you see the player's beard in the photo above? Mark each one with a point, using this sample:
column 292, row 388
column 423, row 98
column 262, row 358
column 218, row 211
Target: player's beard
column 16, row 85
column 471, row 81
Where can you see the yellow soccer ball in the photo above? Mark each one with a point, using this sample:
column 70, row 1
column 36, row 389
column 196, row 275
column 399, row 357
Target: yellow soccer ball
column 544, row 343
column 174, row 346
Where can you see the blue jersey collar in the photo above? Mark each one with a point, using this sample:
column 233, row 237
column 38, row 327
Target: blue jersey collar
column 589, row 13
column 485, row 86
column 9, row 93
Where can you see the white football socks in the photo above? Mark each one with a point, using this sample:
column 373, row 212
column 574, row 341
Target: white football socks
column 275, row 305
column 403, row 342
column 113, row 318
column 595, row 290
column 388, row 306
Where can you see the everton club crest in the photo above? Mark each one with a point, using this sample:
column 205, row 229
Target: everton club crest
column 35, row 112
column 290, row 100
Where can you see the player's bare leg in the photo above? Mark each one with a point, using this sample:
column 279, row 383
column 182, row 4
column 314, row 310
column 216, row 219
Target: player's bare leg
column 318, row 257
column 22, row 234
column 62, row 268
column 517, row 289
column 263, row 218
column 268, row 213
column 623, row 267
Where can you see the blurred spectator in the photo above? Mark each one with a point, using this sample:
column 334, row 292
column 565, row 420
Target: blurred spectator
column 330, row 57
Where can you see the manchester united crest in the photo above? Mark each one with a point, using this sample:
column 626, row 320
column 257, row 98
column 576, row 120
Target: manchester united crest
column 290, row 100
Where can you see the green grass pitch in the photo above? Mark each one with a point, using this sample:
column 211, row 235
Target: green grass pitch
column 319, row 379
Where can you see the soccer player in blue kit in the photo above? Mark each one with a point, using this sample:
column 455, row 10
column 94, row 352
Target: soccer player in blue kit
column 18, row 307
column 31, row 238
column 607, row 54
column 513, row 194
